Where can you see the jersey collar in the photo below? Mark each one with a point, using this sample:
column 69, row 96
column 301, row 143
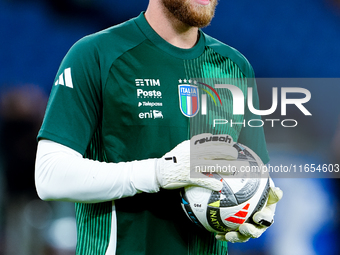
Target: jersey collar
column 158, row 41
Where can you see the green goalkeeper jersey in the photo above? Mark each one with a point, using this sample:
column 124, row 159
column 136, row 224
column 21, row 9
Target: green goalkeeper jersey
column 125, row 94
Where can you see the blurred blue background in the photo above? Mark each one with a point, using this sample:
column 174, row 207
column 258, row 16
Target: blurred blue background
column 285, row 39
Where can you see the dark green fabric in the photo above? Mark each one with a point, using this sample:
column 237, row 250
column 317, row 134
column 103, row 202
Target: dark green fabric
column 103, row 118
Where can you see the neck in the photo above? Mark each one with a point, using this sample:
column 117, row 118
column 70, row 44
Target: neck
column 170, row 28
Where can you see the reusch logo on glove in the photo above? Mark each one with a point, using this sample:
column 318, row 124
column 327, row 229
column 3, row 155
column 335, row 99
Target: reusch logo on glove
column 224, row 138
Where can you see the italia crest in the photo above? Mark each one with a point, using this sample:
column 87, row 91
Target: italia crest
column 188, row 99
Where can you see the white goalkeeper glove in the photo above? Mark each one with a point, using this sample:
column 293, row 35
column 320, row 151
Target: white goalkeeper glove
column 263, row 219
column 173, row 170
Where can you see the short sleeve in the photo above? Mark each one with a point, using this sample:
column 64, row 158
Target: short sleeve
column 73, row 110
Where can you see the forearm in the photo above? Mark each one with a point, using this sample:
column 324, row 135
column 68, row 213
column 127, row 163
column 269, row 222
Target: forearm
column 63, row 174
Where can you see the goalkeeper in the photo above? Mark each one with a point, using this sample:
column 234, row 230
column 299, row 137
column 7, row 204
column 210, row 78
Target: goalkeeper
column 102, row 145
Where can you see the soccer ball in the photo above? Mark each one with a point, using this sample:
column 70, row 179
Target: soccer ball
column 240, row 198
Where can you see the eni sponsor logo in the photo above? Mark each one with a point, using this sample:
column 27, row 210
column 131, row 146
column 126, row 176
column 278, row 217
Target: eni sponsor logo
column 152, row 114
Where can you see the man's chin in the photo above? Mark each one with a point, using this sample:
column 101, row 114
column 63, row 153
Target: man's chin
column 192, row 13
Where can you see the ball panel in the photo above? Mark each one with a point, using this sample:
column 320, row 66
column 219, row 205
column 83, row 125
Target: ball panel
column 197, row 198
column 247, row 191
column 190, row 214
column 233, row 217
column 262, row 198
column 239, row 199
column 215, row 221
column 225, row 196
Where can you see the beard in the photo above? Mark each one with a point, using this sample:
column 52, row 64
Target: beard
column 194, row 15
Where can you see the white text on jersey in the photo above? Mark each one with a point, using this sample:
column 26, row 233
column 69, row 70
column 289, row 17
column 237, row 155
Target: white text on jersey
column 153, row 114
column 148, row 94
column 147, row 82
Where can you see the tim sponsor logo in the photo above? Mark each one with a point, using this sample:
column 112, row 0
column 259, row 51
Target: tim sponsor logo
column 147, row 82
